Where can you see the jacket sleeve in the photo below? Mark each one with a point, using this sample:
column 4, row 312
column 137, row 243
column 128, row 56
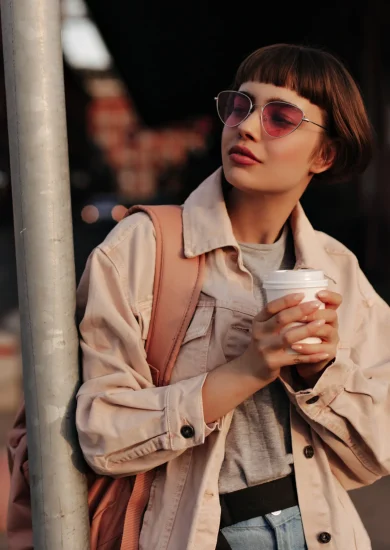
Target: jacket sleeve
column 125, row 424
column 349, row 407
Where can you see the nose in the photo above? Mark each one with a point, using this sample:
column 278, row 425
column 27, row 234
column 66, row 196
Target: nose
column 250, row 128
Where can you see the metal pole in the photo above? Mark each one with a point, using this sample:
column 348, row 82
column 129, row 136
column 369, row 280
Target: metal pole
column 45, row 265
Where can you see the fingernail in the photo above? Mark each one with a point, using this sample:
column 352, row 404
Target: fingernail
column 311, row 306
column 305, row 318
column 298, row 296
column 318, row 323
column 296, row 347
column 322, row 294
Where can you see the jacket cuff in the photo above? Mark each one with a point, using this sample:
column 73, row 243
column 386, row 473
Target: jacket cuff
column 312, row 401
column 185, row 419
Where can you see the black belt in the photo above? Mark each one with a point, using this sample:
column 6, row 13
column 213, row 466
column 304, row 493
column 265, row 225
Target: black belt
column 254, row 502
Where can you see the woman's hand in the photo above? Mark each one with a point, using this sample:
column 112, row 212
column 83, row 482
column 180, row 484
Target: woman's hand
column 272, row 336
column 328, row 334
column 230, row 384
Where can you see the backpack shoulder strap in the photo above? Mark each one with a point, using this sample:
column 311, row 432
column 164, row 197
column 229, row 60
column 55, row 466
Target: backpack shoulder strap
column 177, row 284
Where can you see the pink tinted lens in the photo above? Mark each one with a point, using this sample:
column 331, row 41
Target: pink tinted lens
column 280, row 119
column 233, row 107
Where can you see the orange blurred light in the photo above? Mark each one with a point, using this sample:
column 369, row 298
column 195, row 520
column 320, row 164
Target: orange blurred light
column 90, row 214
column 118, row 212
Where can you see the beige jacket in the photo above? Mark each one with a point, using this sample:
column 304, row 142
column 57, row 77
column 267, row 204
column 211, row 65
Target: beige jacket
column 126, row 425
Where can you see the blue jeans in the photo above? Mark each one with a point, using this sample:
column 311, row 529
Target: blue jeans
column 280, row 531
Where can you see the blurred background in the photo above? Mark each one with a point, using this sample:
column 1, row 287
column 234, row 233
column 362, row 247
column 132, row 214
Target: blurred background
column 140, row 82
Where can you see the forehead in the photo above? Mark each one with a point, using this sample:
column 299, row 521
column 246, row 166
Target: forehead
column 261, row 93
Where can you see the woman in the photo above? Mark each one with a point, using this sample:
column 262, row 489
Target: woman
column 272, row 438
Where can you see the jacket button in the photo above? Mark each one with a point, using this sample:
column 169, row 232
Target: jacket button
column 187, row 432
column 312, row 400
column 324, row 537
column 308, row 451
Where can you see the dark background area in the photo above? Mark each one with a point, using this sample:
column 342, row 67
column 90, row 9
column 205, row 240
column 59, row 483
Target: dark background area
column 175, row 58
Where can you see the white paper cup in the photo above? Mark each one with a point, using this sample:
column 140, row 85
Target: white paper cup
column 308, row 281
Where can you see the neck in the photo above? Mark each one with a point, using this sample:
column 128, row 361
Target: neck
column 259, row 218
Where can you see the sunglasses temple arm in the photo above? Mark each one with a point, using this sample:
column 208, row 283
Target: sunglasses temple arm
column 315, row 123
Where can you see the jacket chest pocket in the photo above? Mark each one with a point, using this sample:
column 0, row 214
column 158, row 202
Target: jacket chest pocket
column 192, row 358
column 238, row 335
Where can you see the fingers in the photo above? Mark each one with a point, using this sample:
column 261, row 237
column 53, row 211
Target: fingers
column 332, row 300
column 287, row 338
column 289, row 359
column 278, row 321
column 310, row 349
column 293, row 314
column 329, row 315
column 329, row 336
column 326, row 332
column 286, row 321
column 313, row 358
column 272, row 308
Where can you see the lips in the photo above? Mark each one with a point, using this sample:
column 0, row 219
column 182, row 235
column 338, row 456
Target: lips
column 244, row 151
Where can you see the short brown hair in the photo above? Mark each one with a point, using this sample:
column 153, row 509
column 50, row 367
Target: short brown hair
column 322, row 79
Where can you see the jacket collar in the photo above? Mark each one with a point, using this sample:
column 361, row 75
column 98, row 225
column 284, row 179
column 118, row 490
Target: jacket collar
column 207, row 226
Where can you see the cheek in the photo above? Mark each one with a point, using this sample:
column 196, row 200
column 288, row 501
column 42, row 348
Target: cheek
column 291, row 151
column 226, row 138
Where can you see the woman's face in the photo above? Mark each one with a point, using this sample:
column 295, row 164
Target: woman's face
column 283, row 164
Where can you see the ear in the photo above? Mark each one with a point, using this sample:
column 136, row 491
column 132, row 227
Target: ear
column 323, row 158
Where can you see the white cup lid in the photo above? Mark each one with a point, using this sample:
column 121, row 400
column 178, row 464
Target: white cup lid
column 295, row 277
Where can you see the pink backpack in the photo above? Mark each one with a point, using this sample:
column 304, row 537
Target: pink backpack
column 116, row 506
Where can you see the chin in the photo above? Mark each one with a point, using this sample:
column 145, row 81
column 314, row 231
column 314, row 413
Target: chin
column 240, row 175
column 246, row 179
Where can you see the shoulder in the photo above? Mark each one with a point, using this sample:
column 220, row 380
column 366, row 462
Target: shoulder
column 137, row 229
column 334, row 247
column 348, row 267
column 126, row 259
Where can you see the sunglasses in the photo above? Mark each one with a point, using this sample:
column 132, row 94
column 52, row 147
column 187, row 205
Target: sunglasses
column 278, row 118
